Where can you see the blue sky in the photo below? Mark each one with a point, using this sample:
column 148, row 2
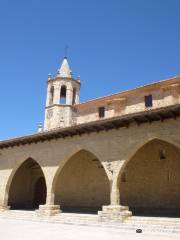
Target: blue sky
column 113, row 45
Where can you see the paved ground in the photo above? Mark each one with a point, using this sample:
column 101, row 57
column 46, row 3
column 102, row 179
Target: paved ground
column 28, row 230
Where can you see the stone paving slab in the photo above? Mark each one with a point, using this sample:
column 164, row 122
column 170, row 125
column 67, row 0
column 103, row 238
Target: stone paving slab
column 29, row 230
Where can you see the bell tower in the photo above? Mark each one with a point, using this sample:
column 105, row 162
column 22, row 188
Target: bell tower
column 62, row 93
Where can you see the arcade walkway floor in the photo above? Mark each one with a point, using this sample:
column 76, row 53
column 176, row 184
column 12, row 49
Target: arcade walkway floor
column 28, row 230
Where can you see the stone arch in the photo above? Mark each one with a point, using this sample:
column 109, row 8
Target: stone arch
column 133, row 149
column 149, row 181
column 69, row 156
column 21, row 189
column 81, row 184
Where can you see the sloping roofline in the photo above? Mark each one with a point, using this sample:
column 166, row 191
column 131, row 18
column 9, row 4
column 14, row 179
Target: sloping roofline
column 149, row 116
column 147, row 87
column 159, row 114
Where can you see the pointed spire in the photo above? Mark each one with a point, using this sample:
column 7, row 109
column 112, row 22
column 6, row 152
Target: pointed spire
column 64, row 70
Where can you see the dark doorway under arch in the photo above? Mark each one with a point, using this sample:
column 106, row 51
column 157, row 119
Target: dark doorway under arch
column 82, row 185
column 150, row 182
column 39, row 192
column 28, row 187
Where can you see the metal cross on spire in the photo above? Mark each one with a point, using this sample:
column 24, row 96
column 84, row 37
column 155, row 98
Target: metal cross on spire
column 65, row 51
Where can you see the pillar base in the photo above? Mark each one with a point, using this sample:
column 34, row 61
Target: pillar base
column 114, row 213
column 4, row 208
column 48, row 210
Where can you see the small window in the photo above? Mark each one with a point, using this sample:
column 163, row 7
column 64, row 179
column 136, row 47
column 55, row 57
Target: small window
column 148, row 101
column 101, row 112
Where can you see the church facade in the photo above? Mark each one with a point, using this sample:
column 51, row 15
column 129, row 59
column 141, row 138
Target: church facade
column 116, row 156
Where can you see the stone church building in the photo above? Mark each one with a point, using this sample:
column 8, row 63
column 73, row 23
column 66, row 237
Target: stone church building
column 116, row 156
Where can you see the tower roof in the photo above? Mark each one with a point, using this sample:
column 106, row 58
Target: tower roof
column 64, row 71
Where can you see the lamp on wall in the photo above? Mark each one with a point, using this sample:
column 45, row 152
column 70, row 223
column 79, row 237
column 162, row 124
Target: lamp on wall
column 123, row 177
column 95, row 160
column 98, row 163
column 162, row 154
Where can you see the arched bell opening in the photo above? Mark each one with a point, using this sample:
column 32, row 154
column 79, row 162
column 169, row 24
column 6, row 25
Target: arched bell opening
column 63, row 93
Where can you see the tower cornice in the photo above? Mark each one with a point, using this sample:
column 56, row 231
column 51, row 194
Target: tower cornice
column 57, row 79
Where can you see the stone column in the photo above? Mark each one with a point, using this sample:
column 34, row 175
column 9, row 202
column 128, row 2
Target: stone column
column 69, row 96
column 115, row 194
column 3, row 198
column 48, row 94
column 114, row 211
column 77, row 97
column 56, row 98
column 49, row 209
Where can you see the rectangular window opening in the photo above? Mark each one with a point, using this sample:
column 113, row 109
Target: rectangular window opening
column 148, row 101
column 101, row 112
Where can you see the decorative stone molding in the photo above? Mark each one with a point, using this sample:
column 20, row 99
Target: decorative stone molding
column 118, row 104
column 114, row 213
column 175, row 90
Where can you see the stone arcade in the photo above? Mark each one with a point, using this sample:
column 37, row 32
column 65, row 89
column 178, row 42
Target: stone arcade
column 116, row 156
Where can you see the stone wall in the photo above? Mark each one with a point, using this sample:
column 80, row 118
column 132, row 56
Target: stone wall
column 82, row 174
column 129, row 102
column 151, row 180
column 113, row 148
